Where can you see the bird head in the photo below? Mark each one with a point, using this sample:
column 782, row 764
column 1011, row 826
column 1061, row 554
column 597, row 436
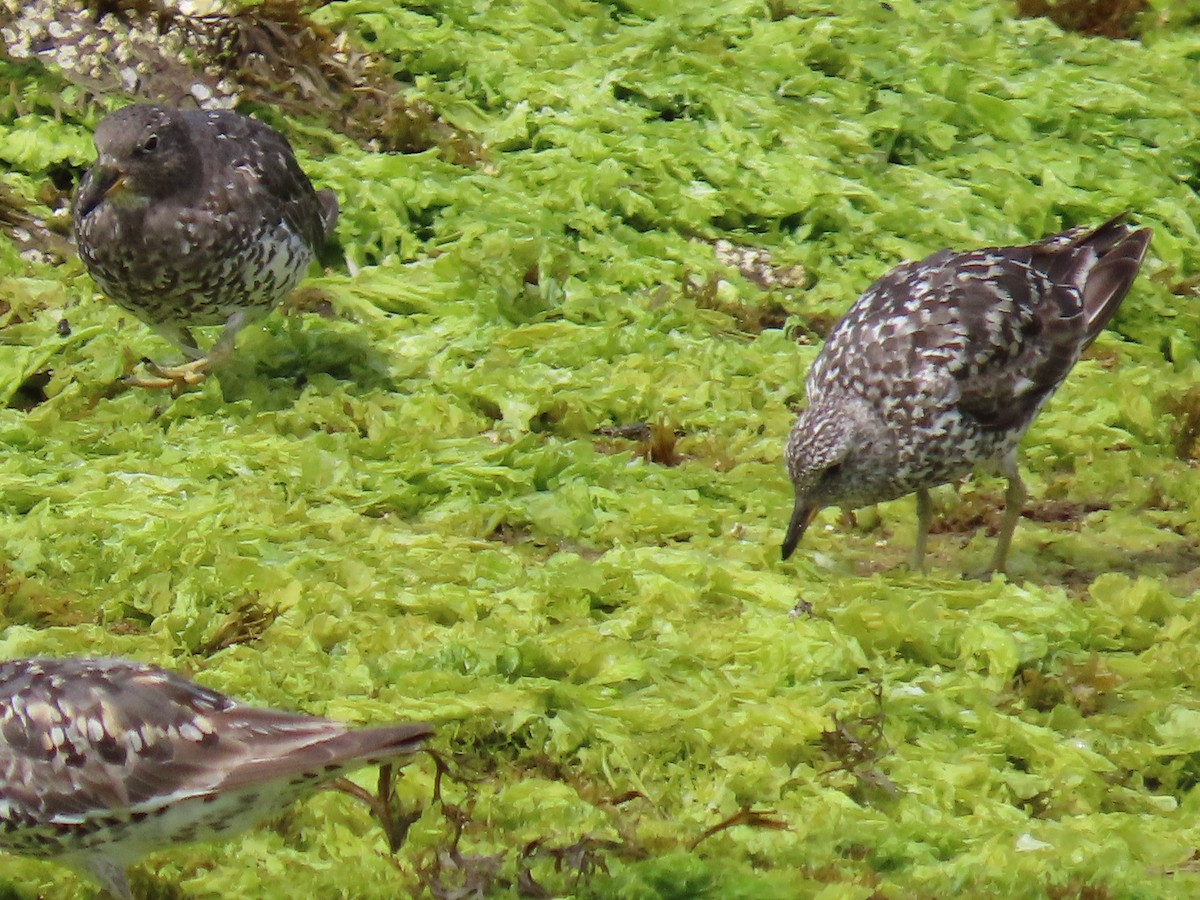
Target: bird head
column 817, row 449
column 142, row 152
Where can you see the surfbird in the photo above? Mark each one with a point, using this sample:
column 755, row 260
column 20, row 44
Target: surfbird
column 196, row 218
column 941, row 366
column 105, row 760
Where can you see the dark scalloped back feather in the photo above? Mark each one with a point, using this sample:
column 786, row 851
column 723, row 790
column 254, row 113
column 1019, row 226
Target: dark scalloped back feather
column 125, row 737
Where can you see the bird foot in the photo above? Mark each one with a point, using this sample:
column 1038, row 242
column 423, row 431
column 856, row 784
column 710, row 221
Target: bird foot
column 177, row 378
column 987, row 574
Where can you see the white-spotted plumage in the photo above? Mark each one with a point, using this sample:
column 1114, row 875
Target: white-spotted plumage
column 941, row 366
column 197, row 218
column 105, row 760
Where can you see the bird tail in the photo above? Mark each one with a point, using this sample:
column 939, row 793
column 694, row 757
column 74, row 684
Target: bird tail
column 277, row 745
column 1103, row 263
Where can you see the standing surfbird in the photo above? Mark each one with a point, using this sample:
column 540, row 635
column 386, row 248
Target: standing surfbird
column 104, row 760
column 941, row 366
column 196, row 218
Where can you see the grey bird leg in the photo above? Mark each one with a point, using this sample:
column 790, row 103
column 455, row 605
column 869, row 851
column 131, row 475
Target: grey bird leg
column 1014, row 503
column 222, row 350
column 181, row 337
column 924, row 520
column 110, row 875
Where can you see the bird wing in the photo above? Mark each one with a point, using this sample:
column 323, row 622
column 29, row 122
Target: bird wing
column 1018, row 333
column 259, row 163
column 1029, row 312
column 81, row 739
column 988, row 334
column 985, row 329
column 902, row 328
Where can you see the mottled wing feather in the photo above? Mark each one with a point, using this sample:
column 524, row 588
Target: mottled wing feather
column 80, row 738
column 1056, row 296
column 996, row 330
column 898, row 329
column 86, row 738
column 1016, row 344
column 887, row 300
column 263, row 165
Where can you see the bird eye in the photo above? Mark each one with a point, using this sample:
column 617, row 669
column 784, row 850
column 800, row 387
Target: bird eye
column 149, row 145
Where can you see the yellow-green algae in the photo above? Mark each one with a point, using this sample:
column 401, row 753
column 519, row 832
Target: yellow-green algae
column 413, row 486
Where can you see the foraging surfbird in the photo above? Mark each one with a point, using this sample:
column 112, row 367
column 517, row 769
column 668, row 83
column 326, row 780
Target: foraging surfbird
column 196, row 218
column 105, row 760
column 941, row 366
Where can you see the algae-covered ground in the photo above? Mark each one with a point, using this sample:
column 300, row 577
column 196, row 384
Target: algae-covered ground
column 511, row 464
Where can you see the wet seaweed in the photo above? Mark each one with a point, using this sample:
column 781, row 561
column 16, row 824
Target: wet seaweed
column 511, row 461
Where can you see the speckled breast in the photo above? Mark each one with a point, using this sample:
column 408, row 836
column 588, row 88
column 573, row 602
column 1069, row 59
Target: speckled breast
column 944, row 448
column 128, row 833
column 191, row 274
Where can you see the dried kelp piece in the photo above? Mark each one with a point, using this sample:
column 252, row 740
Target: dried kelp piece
column 31, row 233
column 1169, row 276
column 278, row 55
column 248, row 621
column 1102, row 18
column 448, row 873
column 383, row 804
column 271, row 53
column 857, row 744
column 584, row 857
column 746, row 816
column 661, row 447
column 637, row 431
column 450, row 870
column 1185, row 426
column 751, row 318
column 656, row 442
column 978, row 509
column 1085, row 685
column 25, row 601
column 1063, row 511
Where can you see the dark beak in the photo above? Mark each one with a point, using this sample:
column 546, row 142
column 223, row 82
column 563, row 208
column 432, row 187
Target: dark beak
column 100, row 181
column 804, row 512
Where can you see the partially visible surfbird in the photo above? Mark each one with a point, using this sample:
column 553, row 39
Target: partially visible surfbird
column 105, row 760
column 943, row 364
column 196, row 218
